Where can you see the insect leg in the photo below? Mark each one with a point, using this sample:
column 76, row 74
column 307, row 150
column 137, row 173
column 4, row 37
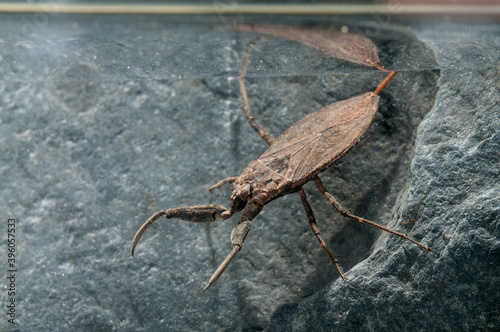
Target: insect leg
column 223, row 182
column 346, row 213
column 197, row 214
column 251, row 120
column 315, row 230
column 238, row 235
column 241, row 79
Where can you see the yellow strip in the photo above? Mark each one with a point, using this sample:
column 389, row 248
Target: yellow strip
column 217, row 9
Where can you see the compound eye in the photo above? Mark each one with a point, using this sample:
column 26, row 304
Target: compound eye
column 245, row 191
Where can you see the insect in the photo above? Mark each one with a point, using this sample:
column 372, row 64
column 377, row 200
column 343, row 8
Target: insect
column 298, row 156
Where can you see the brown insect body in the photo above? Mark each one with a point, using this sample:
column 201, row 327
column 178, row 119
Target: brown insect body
column 306, row 149
column 298, row 156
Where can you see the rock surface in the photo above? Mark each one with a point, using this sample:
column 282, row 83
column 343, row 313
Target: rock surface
column 104, row 121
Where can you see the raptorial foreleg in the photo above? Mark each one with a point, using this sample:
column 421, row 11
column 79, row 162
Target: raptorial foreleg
column 197, row 214
column 238, row 235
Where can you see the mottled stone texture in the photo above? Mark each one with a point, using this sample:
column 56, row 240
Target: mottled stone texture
column 105, row 120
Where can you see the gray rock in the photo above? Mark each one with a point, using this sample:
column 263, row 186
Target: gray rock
column 104, row 121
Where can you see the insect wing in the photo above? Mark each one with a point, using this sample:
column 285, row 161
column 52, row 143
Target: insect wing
column 320, row 138
column 345, row 46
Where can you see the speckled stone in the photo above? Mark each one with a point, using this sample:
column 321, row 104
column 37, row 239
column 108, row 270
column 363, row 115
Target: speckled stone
column 105, row 120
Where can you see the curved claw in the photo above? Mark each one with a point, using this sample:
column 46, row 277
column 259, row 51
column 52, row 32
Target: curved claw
column 197, row 214
column 143, row 228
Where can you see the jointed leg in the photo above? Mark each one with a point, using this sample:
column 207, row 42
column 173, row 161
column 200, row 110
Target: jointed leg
column 241, row 79
column 197, row 214
column 346, row 213
column 238, row 235
column 315, row 229
column 223, row 182
column 251, row 120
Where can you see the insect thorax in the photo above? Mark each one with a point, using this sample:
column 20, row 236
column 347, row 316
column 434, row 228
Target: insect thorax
column 260, row 184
